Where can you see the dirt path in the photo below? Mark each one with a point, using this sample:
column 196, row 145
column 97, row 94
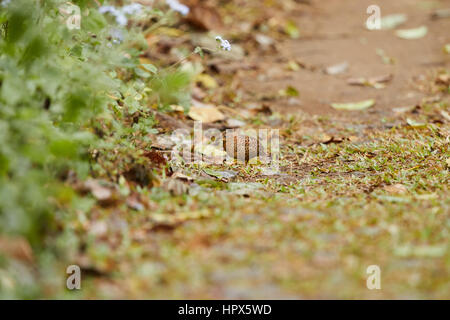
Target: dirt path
column 333, row 32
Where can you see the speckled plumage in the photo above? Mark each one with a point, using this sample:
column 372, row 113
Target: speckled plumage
column 243, row 147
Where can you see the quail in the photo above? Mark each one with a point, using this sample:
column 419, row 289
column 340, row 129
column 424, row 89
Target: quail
column 243, row 147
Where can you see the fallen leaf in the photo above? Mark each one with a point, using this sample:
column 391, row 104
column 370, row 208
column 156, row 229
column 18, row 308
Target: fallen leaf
column 446, row 115
column 447, row 48
column 326, row 139
column 354, row 105
column 441, row 14
column 415, row 124
column 289, row 92
column 181, row 176
column 411, row 34
column 392, row 21
column 406, row 109
column 205, row 17
column 206, row 81
column 176, row 108
column 443, row 79
column 224, row 175
column 205, row 114
column 337, row 68
column 263, row 40
column 293, row 65
column 375, row 82
column 291, row 29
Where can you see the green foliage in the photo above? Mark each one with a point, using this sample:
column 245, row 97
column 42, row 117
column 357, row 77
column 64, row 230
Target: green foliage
column 172, row 88
column 47, row 95
column 58, row 89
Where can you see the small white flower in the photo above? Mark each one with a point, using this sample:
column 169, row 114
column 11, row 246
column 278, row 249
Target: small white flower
column 178, row 7
column 224, row 44
column 121, row 19
column 132, row 8
column 106, row 9
column 120, row 14
column 117, row 13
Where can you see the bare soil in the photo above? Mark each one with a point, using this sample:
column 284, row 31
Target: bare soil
column 333, row 32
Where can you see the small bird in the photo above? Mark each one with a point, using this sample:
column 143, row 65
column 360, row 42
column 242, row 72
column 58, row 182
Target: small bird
column 243, row 147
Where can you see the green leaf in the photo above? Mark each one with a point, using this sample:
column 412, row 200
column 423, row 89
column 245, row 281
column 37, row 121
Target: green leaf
column 150, row 67
column 289, row 92
column 354, row 105
column 141, row 73
column 12, row 90
column 392, row 21
column 447, row 48
column 291, row 30
column 64, row 148
column 411, row 34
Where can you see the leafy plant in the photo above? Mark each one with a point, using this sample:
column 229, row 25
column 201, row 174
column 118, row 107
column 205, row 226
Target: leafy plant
column 65, row 95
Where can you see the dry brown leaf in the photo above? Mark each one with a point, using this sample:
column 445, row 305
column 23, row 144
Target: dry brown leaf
column 181, row 176
column 326, row 139
column 446, row 115
column 401, row 110
column 443, row 79
column 206, row 114
column 205, row 17
column 376, row 82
